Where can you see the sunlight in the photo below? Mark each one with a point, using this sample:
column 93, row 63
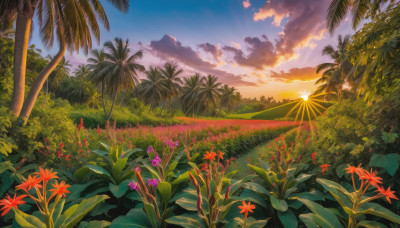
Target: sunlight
column 305, row 95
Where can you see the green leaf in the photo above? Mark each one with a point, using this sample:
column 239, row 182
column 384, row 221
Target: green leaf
column 288, row 219
column 340, row 170
column 182, row 178
column 117, row 169
column 99, row 170
column 390, row 162
column 59, row 208
column 262, row 173
column 75, row 213
column 94, row 224
column 27, row 221
column 256, row 188
column 186, row 220
column 378, row 210
column 308, row 220
column 129, row 153
column 151, row 214
column 81, row 173
column 338, row 192
column 101, row 153
column 119, row 190
column 165, row 190
column 324, row 218
column 251, row 196
column 153, row 172
column 136, row 218
column 303, row 177
column 278, row 204
column 370, row 224
column 239, row 183
column 188, row 200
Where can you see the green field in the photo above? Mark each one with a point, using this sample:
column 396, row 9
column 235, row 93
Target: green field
column 279, row 112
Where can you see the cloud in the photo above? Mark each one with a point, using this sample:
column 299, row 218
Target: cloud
column 262, row 53
column 214, row 50
column 246, row 4
column 295, row 74
column 169, row 48
column 306, row 21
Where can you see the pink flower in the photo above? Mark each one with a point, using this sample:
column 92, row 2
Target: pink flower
column 153, row 182
column 156, row 161
column 133, row 185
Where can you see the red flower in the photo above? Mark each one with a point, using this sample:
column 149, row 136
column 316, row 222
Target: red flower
column 352, row 169
column 60, row 189
column 313, row 157
column 210, row 156
column 386, row 193
column 46, row 174
column 31, row 182
column 246, row 208
column 220, row 155
column 273, row 157
column 324, row 167
column 371, row 177
column 9, row 202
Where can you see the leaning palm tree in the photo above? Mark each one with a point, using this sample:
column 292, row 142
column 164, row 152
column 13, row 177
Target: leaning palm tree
column 190, row 93
column 228, row 98
column 171, row 74
column 210, row 92
column 71, row 23
column 360, row 9
column 337, row 73
column 153, row 89
column 119, row 69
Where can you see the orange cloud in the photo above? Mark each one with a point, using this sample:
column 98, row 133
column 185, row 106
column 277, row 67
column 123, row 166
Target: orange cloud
column 295, row 74
column 246, row 4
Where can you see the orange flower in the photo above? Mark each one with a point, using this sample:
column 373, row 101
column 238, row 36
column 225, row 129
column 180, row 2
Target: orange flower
column 31, row 182
column 60, row 189
column 220, row 155
column 246, row 208
column 352, row 169
column 210, row 156
column 371, row 177
column 46, row 174
column 386, row 193
column 324, row 167
column 9, row 202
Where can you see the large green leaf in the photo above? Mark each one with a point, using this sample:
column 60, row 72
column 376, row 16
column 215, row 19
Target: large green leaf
column 188, row 200
column 278, row 204
column 94, row 224
column 165, row 190
column 75, row 213
column 136, row 218
column 236, row 186
column 99, row 170
column 390, row 162
column 325, row 217
column 288, row 219
column 262, row 173
column 370, row 224
column 81, row 173
column 181, row 178
column 58, row 209
column 153, row 171
column 119, row 190
column 248, row 195
column 27, row 221
column 255, row 187
column 338, row 192
column 118, row 168
column 378, row 210
column 308, row 220
column 186, row 220
column 151, row 214
column 129, row 153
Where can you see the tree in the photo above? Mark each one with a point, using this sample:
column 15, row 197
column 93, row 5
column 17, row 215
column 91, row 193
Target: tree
column 71, row 22
column 335, row 74
column 228, row 98
column 360, row 9
column 171, row 72
column 154, row 88
column 119, row 69
column 190, row 94
column 96, row 76
column 210, row 91
column 62, row 71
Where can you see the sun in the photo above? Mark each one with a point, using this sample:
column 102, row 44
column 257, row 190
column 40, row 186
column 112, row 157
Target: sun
column 305, row 95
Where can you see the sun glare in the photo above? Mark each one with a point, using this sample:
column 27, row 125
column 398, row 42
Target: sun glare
column 305, row 95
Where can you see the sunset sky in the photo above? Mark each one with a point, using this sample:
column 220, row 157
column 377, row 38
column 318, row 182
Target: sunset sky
column 260, row 47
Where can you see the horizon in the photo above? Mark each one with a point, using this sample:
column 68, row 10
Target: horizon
column 262, row 48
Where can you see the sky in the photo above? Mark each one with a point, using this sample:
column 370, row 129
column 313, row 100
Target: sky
column 262, row 48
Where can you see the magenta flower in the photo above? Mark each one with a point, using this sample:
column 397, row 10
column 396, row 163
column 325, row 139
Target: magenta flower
column 150, row 149
column 133, row 185
column 156, row 161
column 137, row 169
column 153, row 182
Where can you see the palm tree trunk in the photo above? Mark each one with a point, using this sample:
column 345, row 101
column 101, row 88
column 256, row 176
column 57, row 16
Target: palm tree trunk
column 122, row 99
column 38, row 84
column 23, row 27
column 112, row 106
column 102, row 98
column 219, row 110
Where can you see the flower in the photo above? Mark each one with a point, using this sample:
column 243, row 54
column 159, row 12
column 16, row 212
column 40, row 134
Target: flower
column 273, row 157
column 246, row 208
column 210, row 155
column 46, row 175
column 386, row 193
column 313, row 157
column 156, row 161
column 324, row 167
column 150, row 149
column 138, row 169
column 9, row 202
column 371, row 177
column 352, row 169
column 152, row 182
column 60, row 189
column 220, row 155
column 80, row 125
column 31, row 182
column 133, row 185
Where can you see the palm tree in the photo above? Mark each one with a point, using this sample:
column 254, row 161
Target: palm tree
column 70, row 22
column 170, row 72
column 209, row 92
column 154, row 88
column 119, row 69
column 81, row 71
column 6, row 27
column 96, row 76
column 228, row 98
column 335, row 74
column 190, row 93
column 62, row 71
column 360, row 9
